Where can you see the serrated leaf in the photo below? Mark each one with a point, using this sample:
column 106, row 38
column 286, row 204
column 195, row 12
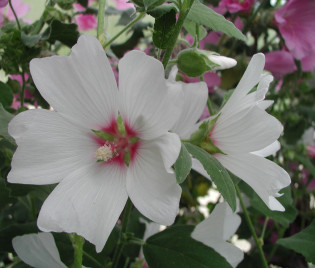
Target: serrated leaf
column 163, row 29
column 204, row 15
column 174, row 247
column 182, row 165
column 217, row 173
column 302, row 242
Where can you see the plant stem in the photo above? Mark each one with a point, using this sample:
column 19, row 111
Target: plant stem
column 16, row 18
column 93, row 259
column 120, row 243
column 100, row 21
column 264, row 229
column 140, row 16
column 77, row 242
column 23, row 90
column 251, row 227
column 183, row 12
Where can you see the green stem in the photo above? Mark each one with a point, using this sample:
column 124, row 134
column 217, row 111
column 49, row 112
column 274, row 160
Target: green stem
column 120, row 243
column 16, row 18
column 23, row 90
column 100, row 21
column 251, row 227
column 77, row 242
column 183, row 12
column 140, row 16
column 264, row 229
column 93, row 259
column 209, row 105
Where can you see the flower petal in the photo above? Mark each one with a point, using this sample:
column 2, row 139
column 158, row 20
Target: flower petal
column 147, row 103
column 81, row 86
column 269, row 150
column 169, row 145
column 246, row 131
column 49, row 147
column 87, row 202
column 38, row 250
column 216, row 229
column 264, row 176
column 152, row 190
column 195, row 99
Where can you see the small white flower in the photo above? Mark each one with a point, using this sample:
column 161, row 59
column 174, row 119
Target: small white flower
column 245, row 132
column 94, row 180
column 38, row 250
column 216, row 229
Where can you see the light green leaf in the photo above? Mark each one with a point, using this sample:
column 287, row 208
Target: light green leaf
column 182, row 165
column 190, row 27
column 204, row 15
column 302, row 242
column 174, row 247
column 217, row 172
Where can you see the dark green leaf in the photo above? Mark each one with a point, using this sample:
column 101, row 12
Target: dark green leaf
column 174, row 247
column 62, row 32
column 162, row 10
column 30, row 41
column 217, row 173
column 163, row 29
column 5, row 118
column 204, row 15
column 6, row 95
column 302, row 242
column 182, row 164
column 83, row 3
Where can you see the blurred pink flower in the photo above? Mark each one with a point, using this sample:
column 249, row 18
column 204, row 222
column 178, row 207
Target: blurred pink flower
column 122, row 4
column 280, row 62
column 20, row 9
column 3, row 3
column 234, row 6
column 308, row 62
column 296, row 23
column 85, row 21
column 311, row 150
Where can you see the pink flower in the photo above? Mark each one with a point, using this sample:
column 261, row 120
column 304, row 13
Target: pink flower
column 280, row 62
column 3, row 3
column 308, row 62
column 122, row 4
column 20, row 9
column 296, row 23
column 85, row 21
column 234, row 6
column 311, row 150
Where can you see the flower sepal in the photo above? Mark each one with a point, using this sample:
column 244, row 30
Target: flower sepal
column 103, row 135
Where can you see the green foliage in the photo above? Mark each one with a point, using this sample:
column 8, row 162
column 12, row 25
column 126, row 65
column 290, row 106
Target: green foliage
column 182, row 164
column 6, row 95
column 5, row 118
column 217, row 173
column 302, row 242
column 180, row 250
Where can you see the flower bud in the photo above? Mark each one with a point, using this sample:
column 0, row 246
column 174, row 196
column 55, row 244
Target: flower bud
column 222, row 62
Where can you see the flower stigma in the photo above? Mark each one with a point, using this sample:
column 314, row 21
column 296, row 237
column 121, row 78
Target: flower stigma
column 104, row 153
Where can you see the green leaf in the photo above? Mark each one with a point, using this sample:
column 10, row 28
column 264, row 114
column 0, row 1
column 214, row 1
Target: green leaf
column 162, row 10
column 306, row 162
column 217, row 173
column 6, row 95
column 163, row 29
column 30, row 41
column 65, row 33
column 182, row 165
column 174, row 247
column 302, row 242
column 204, row 15
column 5, row 118
column 126, row 16
column 190, row 27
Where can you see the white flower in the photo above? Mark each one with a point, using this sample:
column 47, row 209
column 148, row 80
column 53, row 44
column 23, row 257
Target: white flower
column 246, row 133
column 94, row 180
column 38, row 250
column 222, row 61
column 216, row 229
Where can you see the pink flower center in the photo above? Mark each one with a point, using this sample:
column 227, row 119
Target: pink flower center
column 122, row 150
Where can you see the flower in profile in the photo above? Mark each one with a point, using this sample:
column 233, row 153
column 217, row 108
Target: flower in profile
column 244, row 134
column 280, row 62
column 217, row 229
column 38, row 250
column 85, row 21
column 296, row 23
column 234, row 6
column 102, row 145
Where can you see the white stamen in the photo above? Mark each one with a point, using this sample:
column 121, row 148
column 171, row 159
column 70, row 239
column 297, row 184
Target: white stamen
column 104, row 153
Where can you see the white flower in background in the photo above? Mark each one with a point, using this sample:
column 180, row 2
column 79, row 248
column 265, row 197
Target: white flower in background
column 222, row 62
column 38, row 250
column 245, row 133
column 216, row 229
column 97, row 170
